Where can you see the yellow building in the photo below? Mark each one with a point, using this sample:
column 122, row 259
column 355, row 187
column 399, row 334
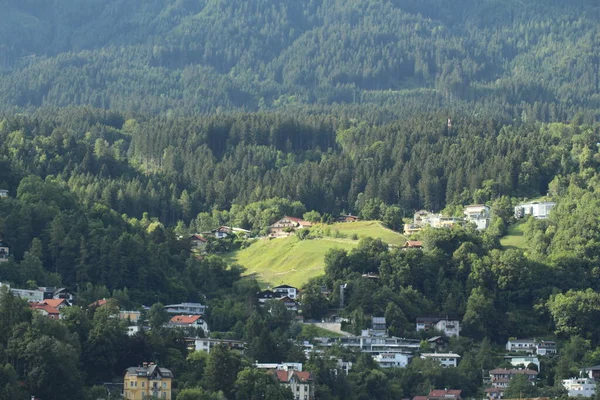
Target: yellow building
column 148, row 381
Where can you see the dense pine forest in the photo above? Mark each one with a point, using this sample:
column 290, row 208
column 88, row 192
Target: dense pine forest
column 126, row 127
column 508, row 59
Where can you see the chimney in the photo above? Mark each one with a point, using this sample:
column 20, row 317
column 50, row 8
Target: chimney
column 145, row 364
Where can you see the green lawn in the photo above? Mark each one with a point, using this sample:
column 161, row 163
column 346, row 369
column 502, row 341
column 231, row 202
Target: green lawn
column 310, row 332
column 373, row 229
column 515, row 237
column 288, row 260
column 293, row 262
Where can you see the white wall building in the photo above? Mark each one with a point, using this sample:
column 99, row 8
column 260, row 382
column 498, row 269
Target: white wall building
column 523, row 360
column 536, row 209
column 286, row 366
column 206, row 344
column 585, row 387
column 525, row 345
column 449, row 327
column 392, row 360
column 287, row 290
column 186, row 308
column 446, row 359
column 479, row 214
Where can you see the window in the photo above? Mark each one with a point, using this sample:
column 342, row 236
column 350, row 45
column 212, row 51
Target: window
column 164, row 395
column 143, row 384
column 131, row 384
column 164, row 385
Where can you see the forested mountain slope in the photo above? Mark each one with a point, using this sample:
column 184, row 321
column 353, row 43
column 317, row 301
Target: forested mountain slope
column 508, row 58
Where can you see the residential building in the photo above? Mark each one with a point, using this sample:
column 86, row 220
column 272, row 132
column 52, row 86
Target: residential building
column 300, row 383
column 539, row 210
column 392, row 360
column 3, row 193
column 32, row 296
column 585, row 387
column 438, row 342
column 226, row 231
column 197, row 242
column 341, row 365
column 494, row 393
column 45, row 310
column 290, row 304
column 59, row 304
column 348, row 218
column 286, row 366
column 206, row 344
column 500, row 377
column 132, row 316
column 445, row 359
column 286, row 226
column 186, row 308
column 98, row 303
column 479, row 214
column 188, row 321
column 286, row 290
column 445, row 394
column 378, row 326
column 545, row 348
column 147, row 381
column 412, row 244
column 591, row 372
column 525, row 361
column 524, row 345
column 267, row 295
column 410, row 229
column 450, row 327
column 373, row 344
column 63, row 293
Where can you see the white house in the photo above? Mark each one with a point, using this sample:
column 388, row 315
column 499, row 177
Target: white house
column 585, row 387
column 32, row 296
column 3, row 193
column 206, row 344
column 392, row 360
column 301, row 383
column 286, row 366
column 446, row 359
column 523, row 360
column 479, row 214
column 186, row 308
column 525, row 345
column 540, row 210
column 188, row 321
column 286, row 290
column 450, row 327
column 544, row 347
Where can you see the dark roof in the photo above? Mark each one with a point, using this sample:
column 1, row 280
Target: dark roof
column 285, row 287
column 149, row 371
column 594, row 368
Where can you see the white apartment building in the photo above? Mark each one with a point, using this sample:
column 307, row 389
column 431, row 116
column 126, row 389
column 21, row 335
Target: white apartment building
column 445, row 359
column 540, row 210
column 585, row 387
column 286, row 366
column 525, row 345
column 392, row 360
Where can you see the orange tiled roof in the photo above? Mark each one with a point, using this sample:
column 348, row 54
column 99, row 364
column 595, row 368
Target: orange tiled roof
column 55, row 302
column 185, row 319
column 45, row 307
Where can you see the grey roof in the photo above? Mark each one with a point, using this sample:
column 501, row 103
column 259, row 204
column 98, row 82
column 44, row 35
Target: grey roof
column 285, row 287
column 149, row 371
column 379, row 320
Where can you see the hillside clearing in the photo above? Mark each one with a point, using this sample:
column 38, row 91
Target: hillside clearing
column 515, row 238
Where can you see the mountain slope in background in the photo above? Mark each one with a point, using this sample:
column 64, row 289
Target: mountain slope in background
column 199, row 55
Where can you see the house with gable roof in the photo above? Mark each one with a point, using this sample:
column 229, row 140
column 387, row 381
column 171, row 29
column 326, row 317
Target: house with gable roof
column 147, row 381
column 188, row 321
column 45, row 310
column 286, row 226
column 301, row 383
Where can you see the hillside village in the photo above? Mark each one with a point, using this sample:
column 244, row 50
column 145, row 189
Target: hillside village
column 523, row 357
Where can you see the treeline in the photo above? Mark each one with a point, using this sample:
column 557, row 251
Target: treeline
column 175, row 169
column 504, row 59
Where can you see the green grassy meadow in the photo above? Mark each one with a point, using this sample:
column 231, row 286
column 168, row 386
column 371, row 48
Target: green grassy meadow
column 516, row 237
column 293, row 261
